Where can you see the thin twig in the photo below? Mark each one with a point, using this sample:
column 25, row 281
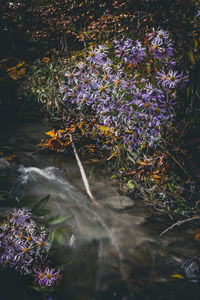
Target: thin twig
column 84, row 177
column 179, row 223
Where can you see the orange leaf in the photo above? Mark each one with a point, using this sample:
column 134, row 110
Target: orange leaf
column 156, row 176
column 197, row 237
column 51, row 133
column 141, row 162
column 131, row 173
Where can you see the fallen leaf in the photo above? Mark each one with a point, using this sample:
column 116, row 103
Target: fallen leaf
column 177, row 276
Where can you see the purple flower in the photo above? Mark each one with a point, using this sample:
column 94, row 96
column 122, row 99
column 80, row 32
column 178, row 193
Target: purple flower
column 93, row 57
column 183, row 79
column 47, row 277
column 82, row 68
column 172, row 79
column 120, row 44
column 70, row 77
column 119, row 83
column 158, row 34
column 162, row 78
column 101, row 49
column 64, row 89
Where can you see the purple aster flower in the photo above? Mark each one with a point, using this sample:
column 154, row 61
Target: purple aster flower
column 172, row 79
column 119, row 83
column 162, row 35
column 107, row 75
column 64, row 89
column 155, row 94
column 128, row 43
column 82, row 68
column 102, row 88
column 135, row 54
column 158, row 34
column 70, row 77
column 48, row 277
column 120, row 44
column 169, row 62
column 101, row 49
column 162, row 78
column 104, row 60
column 166, row 105
column 93, row 57
column 183, row 80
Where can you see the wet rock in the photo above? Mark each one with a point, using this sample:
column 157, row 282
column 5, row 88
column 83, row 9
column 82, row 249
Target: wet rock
column 8, row 175
column 191, row 267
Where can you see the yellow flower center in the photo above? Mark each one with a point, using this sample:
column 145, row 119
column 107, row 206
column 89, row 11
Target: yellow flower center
column 40, row 243
column 102, row 88
column 48, row 276
column 172, row 78
column 91, row 54
column 155, row 47
column 25, row 250
column 41, row 275
column 83, row 100
column 117, row 82
column 164, row 77
column 147, row 105
column 28, row 239
column 70, row 76
column 105, row 77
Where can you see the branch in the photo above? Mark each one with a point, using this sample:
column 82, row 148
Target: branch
column 84, row 177
column 179, row 223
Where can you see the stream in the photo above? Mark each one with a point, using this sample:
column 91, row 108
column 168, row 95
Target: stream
column 115, row 248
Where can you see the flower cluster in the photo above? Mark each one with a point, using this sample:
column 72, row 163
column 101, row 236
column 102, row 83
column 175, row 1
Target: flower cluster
column 130, row 87
column 47, row 277
column 23, row 244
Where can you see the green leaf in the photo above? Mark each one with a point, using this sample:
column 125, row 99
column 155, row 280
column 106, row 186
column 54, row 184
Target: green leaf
column 57, row 220
column 68, row 263
column 40, row 205
column 113, row 176
column 52, row 237
column 130, row 184
column 130, row 158
column 191, row 56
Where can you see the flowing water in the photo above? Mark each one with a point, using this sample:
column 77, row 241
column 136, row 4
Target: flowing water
column 115, row 248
